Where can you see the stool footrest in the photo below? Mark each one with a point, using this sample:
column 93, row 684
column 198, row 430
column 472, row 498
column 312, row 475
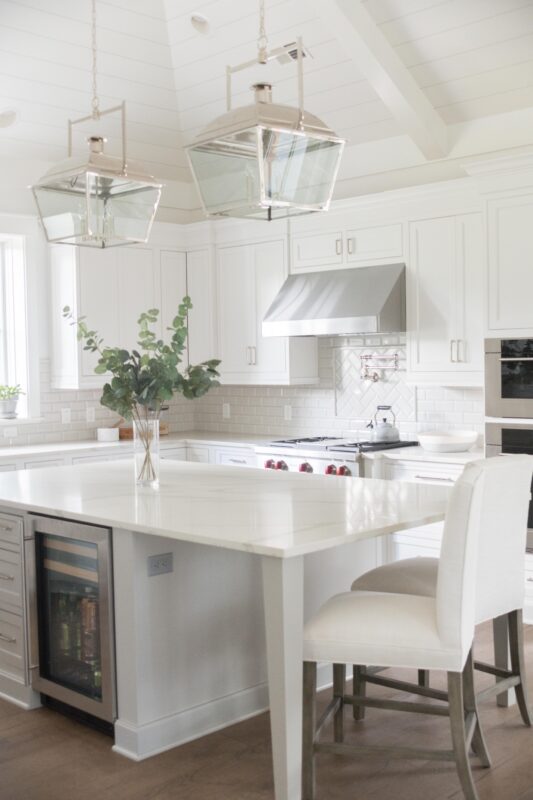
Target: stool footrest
column 415, row 753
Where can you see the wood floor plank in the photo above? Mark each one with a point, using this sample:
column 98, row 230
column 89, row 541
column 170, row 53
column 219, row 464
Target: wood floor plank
column 44, row 756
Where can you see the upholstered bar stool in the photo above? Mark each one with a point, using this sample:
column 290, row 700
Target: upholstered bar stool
column 500, row 588
column 409, row 630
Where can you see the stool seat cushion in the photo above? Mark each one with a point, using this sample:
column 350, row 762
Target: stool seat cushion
column 408, row 576
column 378, row 628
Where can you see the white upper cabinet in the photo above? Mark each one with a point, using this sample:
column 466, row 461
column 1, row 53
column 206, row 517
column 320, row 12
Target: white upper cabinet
column 510, row 258
column 249, row 277
column 445, row 301
column 111, row 288
column 375, row 244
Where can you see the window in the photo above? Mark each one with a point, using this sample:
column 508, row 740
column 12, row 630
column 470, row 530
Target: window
column 13, row 318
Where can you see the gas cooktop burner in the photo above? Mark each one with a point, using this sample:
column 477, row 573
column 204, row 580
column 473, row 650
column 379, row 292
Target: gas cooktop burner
column 306, row 440
column 370, row 447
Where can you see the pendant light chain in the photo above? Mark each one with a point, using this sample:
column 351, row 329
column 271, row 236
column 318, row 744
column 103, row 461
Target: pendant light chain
column 95, row 100
column 262, row 41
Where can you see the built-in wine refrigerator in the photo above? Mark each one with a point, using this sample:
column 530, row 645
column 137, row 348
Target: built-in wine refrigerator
column 71, row 615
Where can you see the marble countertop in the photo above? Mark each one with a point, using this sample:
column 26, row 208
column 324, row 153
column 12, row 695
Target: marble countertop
column 253, row 510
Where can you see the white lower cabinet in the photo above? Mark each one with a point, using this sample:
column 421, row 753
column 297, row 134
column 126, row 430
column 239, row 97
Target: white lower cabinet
column 424, row 540
column 13, row 665
column 235, row 456
column 249, row 276
column 199, row 453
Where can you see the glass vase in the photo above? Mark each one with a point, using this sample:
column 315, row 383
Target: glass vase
column 146, row 447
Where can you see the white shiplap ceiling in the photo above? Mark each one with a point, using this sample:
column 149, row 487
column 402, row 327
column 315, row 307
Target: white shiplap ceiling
column 470, row 58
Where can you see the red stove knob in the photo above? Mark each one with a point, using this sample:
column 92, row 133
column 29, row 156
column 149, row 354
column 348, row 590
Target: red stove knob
column 331, row 469
column 305, row 467
column 343, row 470
column 281, row 465
column 270, row 463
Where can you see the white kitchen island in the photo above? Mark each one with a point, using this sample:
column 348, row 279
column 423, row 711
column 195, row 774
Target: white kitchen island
column 225, row 526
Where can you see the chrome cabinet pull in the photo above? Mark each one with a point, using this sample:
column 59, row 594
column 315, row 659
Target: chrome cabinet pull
column 5, row 577
column 452, row 351
column 8, row 639
column 461, row 351
column 6, row 527
column 237, row 460
column 434, row 478
column 338, row 247
column 529, row 580
column 351, row 245
column 528, row 358
column 254, row 355
column 249, row 356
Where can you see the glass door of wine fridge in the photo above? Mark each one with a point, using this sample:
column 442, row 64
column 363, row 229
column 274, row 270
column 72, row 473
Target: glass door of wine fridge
column 72, row 638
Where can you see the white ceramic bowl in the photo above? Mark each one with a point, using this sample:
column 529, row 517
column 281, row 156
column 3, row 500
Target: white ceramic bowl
column 107, row 434
column 447, row 441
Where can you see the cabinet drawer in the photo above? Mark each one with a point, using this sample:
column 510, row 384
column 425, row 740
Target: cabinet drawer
column 11, row 579
column 11, row 643
column 174, row 454
column 49, row 462
column 374, row 244
column 11, row 532
column 236, row 458
column 424, row 472
column 199, row 454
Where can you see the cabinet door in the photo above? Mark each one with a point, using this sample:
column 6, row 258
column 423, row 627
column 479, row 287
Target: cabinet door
column 200, row 287
column 237, row 326
column 469, row 290
column 136, row 290
column 98, row 301
column 368, row 245
column 317, row 249
column 510, row 255
column 431, row 295
column 173, row 277
column 270, row 357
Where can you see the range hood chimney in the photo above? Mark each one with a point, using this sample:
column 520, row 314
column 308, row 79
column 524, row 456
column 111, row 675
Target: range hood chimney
column 339, row 302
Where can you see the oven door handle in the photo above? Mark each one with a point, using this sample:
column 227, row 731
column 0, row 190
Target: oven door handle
column 525, row 358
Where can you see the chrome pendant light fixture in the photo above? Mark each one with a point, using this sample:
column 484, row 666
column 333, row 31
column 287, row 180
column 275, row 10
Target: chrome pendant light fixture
column 97, row 200
column 265, row 160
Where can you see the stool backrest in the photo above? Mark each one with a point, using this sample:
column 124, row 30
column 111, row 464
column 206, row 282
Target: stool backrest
column 472, row 527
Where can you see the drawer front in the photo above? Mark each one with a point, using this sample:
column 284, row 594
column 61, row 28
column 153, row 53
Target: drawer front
column 49, row 462
column 424, row 473
column 199, row 454
column 11, row 591
column 236, row 458
column 11, row 532
column 174, row 454
column 11, row 643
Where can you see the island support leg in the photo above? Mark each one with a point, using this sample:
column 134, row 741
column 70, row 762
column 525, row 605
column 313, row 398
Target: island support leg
column 500, row 626
column 283, row 601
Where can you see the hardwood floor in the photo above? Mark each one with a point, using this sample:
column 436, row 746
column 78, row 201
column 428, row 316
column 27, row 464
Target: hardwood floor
column 44, row 756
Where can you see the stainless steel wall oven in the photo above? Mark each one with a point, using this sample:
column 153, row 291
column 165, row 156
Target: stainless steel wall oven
column 71, row 615
column 509, row 378
column 511, row 437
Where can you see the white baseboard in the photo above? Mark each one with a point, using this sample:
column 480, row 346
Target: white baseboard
column 18, row 693
column 138, row 742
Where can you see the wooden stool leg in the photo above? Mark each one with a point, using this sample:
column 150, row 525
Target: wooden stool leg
column 339, row 686
column 479, row 745
column 423, row 678
column 359, row 688
column 309, row 728
column 458, row 731
column 516, row 644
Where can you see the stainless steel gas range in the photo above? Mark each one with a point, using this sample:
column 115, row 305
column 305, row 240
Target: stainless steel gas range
column 323, row 455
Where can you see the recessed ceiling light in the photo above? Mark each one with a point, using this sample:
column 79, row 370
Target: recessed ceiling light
column 200, row 23
column 7, row 117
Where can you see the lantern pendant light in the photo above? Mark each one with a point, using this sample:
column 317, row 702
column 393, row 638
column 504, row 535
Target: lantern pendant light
column 265, row 160
column 97, row 200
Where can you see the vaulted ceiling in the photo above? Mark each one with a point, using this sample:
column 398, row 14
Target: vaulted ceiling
column 466, row 60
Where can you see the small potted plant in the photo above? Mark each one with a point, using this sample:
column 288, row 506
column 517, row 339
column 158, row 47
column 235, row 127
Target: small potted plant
column 144, row 380
column 9, row 397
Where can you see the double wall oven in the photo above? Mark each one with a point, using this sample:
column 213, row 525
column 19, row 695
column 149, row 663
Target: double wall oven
column 509, row 401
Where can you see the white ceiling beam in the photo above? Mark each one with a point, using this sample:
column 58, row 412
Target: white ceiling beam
column 378, row 62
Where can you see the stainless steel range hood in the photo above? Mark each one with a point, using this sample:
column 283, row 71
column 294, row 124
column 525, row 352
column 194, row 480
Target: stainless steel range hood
column 339, row 302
